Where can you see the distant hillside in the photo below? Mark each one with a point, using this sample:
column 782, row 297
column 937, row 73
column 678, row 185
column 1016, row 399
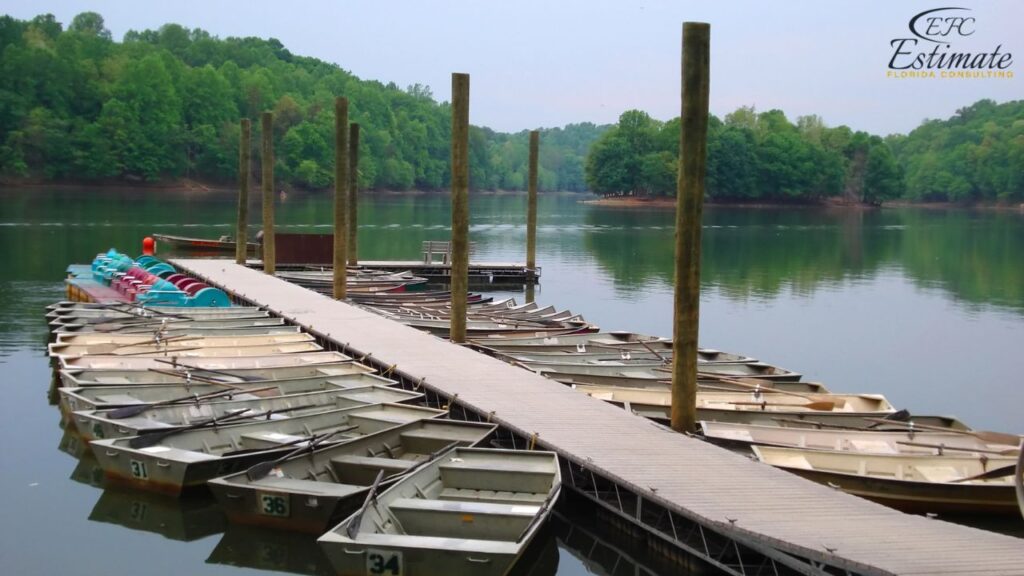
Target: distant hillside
column 163, row 105
column 975, row 156
column 978, row 154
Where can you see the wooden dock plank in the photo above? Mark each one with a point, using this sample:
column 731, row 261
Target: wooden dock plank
column 697, row 479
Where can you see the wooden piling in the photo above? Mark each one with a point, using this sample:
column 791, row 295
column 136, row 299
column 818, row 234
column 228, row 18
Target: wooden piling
column 460, row 205
column 242, row 225
column 531, row 203
column 269, row 255
column 353, row 194
column 689, row 205
column 341, row 162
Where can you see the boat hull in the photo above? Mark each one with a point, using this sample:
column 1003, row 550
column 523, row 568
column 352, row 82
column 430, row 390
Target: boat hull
column 923, row 497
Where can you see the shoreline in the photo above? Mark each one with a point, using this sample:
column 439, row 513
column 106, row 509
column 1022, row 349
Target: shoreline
column 630, row 202
column 633, row 202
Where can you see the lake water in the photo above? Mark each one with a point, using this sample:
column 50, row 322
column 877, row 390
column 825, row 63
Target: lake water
column 926, row 307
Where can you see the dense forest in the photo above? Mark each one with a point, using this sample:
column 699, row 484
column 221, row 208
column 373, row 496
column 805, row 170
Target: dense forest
column 751, row 156
column 977, row 155
column 163, row 105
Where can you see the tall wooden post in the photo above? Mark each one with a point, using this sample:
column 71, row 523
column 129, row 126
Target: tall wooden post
column 269, row 255
column 531, row 203
column 353, row 194
column 531, row 211
column 341, row 161
column 460, row 205
column 689, row 205
column 242, row 226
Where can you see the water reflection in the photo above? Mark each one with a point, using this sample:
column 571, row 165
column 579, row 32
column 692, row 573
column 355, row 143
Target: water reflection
column 603, row 550
column 759, row 253
column 183, row 519
column 974, row 256
column 276, row 550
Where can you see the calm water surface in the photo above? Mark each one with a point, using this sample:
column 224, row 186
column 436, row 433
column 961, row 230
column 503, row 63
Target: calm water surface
column 926, row 307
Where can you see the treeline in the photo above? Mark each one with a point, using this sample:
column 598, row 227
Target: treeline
column 164, row 104
column 977, row 155
column 751, row 156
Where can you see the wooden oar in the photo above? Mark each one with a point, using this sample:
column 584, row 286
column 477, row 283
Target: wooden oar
column 197, row 378
column 821, row 405
column 165, row 351
column 750, row 383
column 263, row 468
column 941, row 447
column 129, row 411
column 113, row 347
column 291, row 443
column 984, row 435
column 1001, row 472
column 210, row 370
column 152, row 438
column 817, row 424
column 357, row 519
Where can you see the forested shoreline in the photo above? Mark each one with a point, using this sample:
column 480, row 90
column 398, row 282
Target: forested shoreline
column 161, row 109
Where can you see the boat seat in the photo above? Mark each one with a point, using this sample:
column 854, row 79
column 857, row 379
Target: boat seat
column 431, row 439
column 121, row 398
column 363, row 469
column 453, row 519
column 311, row 487
column 268, row 439
column 505, row 497
column 399, row 541
column 176, row 454
column 112, row 380
column 516, row 476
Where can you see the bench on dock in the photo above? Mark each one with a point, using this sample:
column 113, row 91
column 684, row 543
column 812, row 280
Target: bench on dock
column 440, row 248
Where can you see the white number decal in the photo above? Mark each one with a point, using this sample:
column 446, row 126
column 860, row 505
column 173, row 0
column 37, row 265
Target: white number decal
column 138, row 469
column 273, row 504
column 384, row 562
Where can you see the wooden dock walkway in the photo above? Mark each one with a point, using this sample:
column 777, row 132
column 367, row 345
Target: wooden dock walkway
column 800, row 526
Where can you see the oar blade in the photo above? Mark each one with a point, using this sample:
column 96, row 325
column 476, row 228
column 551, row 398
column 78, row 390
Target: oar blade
column 1001, row 472
column 128, row 411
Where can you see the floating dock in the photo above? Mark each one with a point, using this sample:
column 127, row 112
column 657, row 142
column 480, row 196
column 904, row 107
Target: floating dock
column 737, row 515
column 480, row 273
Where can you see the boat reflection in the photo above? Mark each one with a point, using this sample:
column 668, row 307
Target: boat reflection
column 73, row 445
column 183, row 519
column 88, row 471
column 296, row 553
column 264, row 549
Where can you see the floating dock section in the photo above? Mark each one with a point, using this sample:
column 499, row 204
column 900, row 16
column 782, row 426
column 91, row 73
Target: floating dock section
column 737, row 515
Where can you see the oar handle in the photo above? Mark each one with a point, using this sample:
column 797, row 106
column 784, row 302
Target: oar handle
column 940, row 447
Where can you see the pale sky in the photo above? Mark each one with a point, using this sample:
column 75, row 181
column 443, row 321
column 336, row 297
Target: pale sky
column 548, row 63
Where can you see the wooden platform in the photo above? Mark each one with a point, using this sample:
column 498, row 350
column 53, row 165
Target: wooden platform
column 82, row 288
column 479, row 272
column 748, row 501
